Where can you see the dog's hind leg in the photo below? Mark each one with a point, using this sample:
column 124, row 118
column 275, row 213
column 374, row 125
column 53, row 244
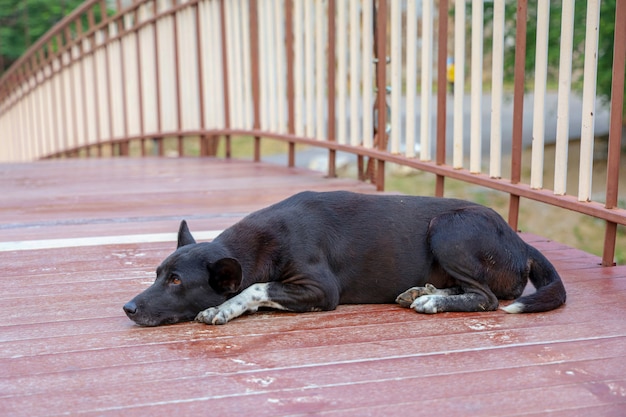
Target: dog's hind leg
column 468, row 245
column 472, row 293
column 431, row 300
column 439, row 303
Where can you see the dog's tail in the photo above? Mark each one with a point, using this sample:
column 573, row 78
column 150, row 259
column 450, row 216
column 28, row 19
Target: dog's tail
column 550, row 292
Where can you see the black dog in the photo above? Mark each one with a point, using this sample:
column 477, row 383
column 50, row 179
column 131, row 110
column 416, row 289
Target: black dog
column 314, row 251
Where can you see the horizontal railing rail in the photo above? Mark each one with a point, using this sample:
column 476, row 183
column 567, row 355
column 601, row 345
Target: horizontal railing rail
column 367, row 77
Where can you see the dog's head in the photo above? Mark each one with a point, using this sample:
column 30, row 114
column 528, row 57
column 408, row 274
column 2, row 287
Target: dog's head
column 193, row 278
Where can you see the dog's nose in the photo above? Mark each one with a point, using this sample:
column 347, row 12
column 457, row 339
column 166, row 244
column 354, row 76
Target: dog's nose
column 130, row 308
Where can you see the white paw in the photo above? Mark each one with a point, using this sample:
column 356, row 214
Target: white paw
column 214, row 315
column 427, row 304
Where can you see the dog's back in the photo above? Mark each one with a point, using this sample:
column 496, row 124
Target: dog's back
column 353, row 235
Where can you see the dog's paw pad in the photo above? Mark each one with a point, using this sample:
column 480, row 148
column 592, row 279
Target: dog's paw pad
column 427, row 304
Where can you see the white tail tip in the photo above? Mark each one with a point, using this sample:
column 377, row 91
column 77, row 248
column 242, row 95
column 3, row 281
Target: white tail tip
column 514, row 308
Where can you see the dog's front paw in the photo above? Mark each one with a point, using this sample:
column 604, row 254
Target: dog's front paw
column 427, row 304
column 407, row 298
column 213, row 315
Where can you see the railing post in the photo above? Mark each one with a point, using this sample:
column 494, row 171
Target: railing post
column 80, row 45
column 254, row 63
column 615, row 129
column 157, row 142
column 205, row 149
column 179, row 113
column 518, row 108
column 107, row 77
column 225, row 75
column 331, row 85
column 291, row 124
column 96, row 74
column 381, row 93
column 64, row 143
column 72, row 89
column 441, row 93
column 140, row 86
column 121, row 28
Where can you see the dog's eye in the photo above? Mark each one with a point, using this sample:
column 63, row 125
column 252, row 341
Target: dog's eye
column 175, row 280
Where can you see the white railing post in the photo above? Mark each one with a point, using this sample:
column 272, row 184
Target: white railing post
column 476, row 87
column 564, row 89
column 497, row 85
column 309, row 67
column 367, row 43
column 411, row 76
column 395, row 29
column 320, row 69
column 459, row 83
column 541, row 77
column 342, row 71
column 427, row 80
column 589, row 100
column 355, row 76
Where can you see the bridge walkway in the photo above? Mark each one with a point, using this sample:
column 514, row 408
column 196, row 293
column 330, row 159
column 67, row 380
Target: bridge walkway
column 79, row 238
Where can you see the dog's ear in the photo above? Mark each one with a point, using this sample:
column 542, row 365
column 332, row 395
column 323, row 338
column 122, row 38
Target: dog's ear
column 225, row 276
column 184, row 235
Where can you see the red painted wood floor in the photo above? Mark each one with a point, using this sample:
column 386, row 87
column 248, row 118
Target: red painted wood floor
column 79, row 238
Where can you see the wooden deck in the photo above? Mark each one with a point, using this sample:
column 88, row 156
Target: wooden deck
column 79, row 238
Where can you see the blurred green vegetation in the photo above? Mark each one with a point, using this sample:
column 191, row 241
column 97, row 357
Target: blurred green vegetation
column 606, row 42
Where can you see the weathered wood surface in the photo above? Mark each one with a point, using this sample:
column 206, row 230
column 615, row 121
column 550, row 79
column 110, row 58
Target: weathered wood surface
column 66, row 346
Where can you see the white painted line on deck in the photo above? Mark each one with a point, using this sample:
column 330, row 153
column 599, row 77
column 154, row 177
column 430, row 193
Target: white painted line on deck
column 100, row 240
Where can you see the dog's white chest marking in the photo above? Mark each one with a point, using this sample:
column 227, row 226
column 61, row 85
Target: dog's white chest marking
column 249, row 300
